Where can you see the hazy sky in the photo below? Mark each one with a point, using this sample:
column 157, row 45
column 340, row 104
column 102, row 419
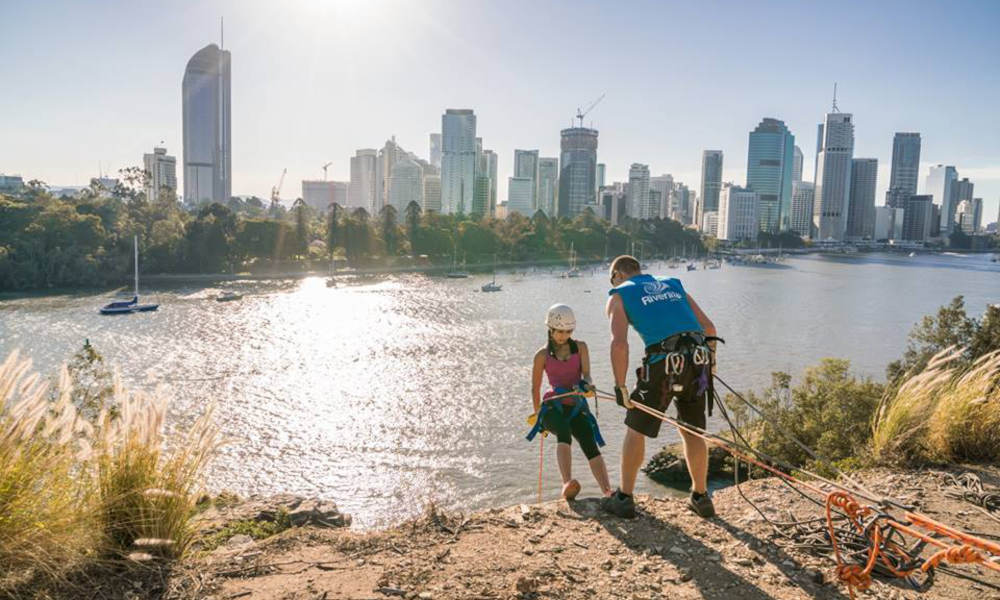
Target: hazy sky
column 99, row 82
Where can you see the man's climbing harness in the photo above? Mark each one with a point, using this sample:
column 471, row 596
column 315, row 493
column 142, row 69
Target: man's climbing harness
column 865, row 530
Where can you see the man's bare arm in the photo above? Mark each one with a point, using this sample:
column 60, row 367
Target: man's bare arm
column 619, row 339
column 703, row 319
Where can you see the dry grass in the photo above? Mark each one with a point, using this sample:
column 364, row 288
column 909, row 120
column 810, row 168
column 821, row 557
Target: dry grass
column 75, row 490
column 942, row 414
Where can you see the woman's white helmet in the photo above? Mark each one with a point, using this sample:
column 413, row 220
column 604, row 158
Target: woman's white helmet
column 560, row 317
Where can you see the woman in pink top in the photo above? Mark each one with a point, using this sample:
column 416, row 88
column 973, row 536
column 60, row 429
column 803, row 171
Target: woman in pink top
column 566, row 364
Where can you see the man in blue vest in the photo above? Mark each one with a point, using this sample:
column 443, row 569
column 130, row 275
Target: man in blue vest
column 676, row 367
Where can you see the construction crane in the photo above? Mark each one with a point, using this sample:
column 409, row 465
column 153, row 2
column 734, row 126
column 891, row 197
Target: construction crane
column 324, row 169
column 276, row 190
column 580, row 114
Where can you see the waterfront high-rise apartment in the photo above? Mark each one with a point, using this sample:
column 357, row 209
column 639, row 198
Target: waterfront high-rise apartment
column 363, row 176
column 711, row 183
column 833, row 176
column 738, row 216
column 526, row 167
column 803, row 195
column 519, row 192
column 578, row 170
column 458, row 160
column 639, row 205
column 861, row 214
column 406, row 184
column 939, row 184
column 797, row 164
column 664, row 184
column 548, row 185
column 770, row 157
column 205, row 105
column 161, row 170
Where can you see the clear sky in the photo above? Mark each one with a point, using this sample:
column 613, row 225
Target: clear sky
column 99, row 82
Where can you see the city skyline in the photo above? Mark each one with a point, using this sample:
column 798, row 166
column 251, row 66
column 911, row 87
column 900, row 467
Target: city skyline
column 127, row 107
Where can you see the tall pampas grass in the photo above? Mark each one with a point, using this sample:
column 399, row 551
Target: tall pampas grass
column 944, row 413
column 78, row 490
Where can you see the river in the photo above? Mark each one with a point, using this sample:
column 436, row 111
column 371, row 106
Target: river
column 389, row 392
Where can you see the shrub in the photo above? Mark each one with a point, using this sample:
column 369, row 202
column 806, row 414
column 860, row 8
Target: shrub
column 830, row 412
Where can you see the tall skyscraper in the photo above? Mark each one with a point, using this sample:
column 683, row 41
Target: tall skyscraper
column 977, row 214
column 490, row 170
column 162, row 172
column 548, row 185
column 665, row 185
column 917, row 218
column 601, row 169
column 679, row 206
column 432, row 193
column 940, row 181
column 362, row 190
column 407, row 184
column 639, row 206
column 771, row 152
column 738, row 217
column 205, row 105
column 519, row 195
column 833, row 177
column 963, row 190
column 526, row 166
column 861, row 215
column 436, row 150
column 578, row 171
column 802, row 207
column 458, row 160
column 711, row 183
column 797, row 164
column 905, row 162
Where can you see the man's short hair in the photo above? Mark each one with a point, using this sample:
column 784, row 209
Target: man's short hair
column 626, row 265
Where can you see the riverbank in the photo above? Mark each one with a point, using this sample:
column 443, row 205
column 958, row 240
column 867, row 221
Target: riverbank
column 557, row 550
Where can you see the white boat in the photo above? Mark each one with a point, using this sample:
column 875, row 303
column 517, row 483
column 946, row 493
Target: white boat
column 130, row 306
column 492, row 286
column 455, row 272
column 228, row 296
column 573, row 271
column 912, row 254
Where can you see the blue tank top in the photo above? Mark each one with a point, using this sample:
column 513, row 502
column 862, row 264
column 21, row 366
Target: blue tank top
column 657, row 307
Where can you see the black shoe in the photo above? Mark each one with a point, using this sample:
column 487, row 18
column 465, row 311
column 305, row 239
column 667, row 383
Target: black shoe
column 619, row 505
column 701, row 504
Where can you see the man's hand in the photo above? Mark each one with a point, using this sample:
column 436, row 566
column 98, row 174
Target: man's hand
column 622, row 396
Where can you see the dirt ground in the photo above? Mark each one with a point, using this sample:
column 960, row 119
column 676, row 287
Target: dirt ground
column 571, row 550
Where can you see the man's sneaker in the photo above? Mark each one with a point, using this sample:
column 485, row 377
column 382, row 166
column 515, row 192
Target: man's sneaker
column 701, row 504
column 619, row 505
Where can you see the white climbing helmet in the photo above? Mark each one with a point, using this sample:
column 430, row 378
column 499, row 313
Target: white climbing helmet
column 560, row 317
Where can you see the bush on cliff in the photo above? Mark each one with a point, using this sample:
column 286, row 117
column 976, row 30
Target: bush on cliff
column 830, row 411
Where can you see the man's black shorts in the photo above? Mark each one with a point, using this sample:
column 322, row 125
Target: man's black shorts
column 654, row 393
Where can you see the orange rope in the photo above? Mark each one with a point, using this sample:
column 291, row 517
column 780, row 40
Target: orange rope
column 541, row 462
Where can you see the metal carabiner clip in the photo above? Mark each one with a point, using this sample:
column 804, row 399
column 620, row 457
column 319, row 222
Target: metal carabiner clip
column 676, row 362
column 700, row 356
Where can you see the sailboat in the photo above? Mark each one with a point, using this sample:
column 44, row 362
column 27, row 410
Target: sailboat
column 573, row 271
column 455, row 273
column 492, row 286
column 130, row 306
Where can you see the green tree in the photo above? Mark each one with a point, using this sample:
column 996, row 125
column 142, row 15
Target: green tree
column 389, row 231
column 333, row 229
column 413, row 226
column 951, row 326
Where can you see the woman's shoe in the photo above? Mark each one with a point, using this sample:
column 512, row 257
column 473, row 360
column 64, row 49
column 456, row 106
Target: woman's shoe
column 571, row 489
